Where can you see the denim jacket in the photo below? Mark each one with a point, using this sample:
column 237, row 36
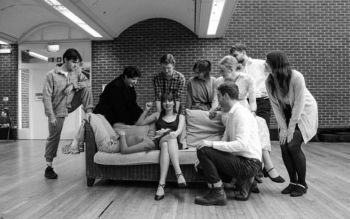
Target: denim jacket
column 54, row 96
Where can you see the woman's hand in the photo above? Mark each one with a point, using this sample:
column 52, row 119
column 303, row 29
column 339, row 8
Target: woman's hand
column 283, row 136
column 204, row 143
column 173, row 134
column 290, row 134
column 120, row 132
column 212, row 114
column 148, row 106
column 161, row 131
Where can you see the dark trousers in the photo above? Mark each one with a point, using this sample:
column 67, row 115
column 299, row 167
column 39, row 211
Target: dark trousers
column 217, row 165
column 264, row 109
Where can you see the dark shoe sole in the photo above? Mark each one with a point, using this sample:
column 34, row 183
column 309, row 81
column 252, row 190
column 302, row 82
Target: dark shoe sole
column 221, row 203
column 50, row 177
column 158, row 197
column 182, row 185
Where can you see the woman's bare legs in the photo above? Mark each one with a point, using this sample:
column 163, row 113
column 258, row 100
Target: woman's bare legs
column 269, row 170
column 133, row 144
column 174, row 157
column 164, row 166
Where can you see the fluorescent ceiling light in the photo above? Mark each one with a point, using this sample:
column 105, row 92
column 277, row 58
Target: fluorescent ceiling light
column 5, row 51
column 63, row 10
column 215, row 15
column 39, row 56
column 53, row 47
column 3, row 42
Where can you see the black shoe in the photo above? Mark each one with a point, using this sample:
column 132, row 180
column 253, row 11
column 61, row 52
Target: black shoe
column 159, row 197
column 244, row 190
column 258, row 179
column 49, row 173
column 183, row 184
column 216, row 196
column 277, row 179
column 289, row 188
column 299, row 190
column 255, row 188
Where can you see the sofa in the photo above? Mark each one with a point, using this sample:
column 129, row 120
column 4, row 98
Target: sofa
column 144, row 166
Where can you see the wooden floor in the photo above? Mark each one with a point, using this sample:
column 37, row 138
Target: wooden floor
column 25, row 193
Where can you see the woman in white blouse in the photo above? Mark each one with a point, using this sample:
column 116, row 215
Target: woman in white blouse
column 296, row 114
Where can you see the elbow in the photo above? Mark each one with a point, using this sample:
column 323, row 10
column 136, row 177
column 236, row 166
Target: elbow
column 122, row 151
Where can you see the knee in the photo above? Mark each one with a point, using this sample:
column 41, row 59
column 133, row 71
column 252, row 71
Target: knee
column 293, row 147
column 202, row 153
column 164, row 145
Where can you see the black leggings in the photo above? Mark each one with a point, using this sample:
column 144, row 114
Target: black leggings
column 292, row 154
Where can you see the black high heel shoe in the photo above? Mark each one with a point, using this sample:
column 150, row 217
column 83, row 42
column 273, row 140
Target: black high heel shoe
column 277, row 179
column 183, row 184
column 159, row 197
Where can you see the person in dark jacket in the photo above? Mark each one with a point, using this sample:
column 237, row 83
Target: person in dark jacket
column 118, row 100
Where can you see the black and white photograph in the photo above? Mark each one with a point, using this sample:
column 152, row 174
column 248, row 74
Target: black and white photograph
column 174, row 109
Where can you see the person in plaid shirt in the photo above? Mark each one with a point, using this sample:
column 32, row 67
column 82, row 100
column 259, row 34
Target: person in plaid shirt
column 168, row 81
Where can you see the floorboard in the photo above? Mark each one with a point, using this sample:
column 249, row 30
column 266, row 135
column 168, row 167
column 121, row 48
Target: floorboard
column 25, row 193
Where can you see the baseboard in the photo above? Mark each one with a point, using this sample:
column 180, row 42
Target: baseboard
column 340, row 134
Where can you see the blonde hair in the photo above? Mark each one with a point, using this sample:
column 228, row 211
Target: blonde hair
column 231, row 63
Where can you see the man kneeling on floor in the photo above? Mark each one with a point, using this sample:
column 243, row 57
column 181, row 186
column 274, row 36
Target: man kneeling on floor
column 237, row 157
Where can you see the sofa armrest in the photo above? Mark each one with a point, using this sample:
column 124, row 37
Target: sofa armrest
column 90, row 149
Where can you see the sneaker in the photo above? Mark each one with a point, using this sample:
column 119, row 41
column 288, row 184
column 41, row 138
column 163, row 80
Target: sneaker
column 49, row 173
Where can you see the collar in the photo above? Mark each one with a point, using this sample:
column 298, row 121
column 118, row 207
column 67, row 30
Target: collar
column 60, row 71
column 165, row 77
column 249, row 61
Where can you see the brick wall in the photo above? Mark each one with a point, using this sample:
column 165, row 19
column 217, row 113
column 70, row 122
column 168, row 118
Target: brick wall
column 25, row 75
column 9, row 81
column 314, row 33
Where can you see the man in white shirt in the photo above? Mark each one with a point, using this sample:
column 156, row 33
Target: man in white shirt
column 255, row 68
column 237, row 156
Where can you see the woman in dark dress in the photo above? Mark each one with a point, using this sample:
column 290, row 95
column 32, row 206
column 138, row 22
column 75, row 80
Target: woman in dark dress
column 169, row 125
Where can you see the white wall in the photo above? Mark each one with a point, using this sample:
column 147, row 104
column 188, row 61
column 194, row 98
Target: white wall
column 38, row 125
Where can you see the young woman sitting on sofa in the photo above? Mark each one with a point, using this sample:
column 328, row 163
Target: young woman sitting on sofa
column 169, row 125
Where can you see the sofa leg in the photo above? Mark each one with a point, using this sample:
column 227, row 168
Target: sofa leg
column 90, row 181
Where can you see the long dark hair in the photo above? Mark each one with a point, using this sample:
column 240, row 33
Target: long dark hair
column 167, row 97
column 281, row 72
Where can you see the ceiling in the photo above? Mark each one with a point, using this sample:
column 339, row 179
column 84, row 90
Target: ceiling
column 24, row 21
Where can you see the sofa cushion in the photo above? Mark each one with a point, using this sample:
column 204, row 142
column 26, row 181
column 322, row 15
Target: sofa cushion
column 200, row 127
column 188, row 156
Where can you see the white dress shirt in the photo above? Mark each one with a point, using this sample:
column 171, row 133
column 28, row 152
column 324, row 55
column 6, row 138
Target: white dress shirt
column 256, row 68
column 241, row 134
